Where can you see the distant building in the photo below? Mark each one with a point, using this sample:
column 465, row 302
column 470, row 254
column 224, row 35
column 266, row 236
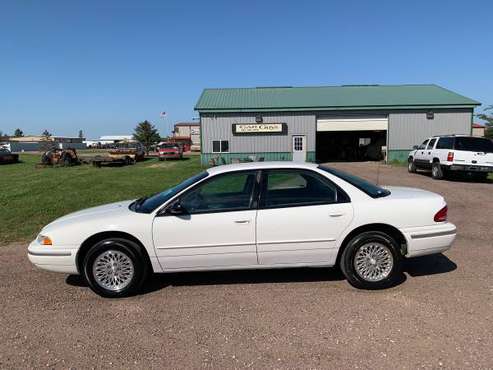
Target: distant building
column 327, row 123
column 185, row 131
column 42, row 143
column 108, row 140
column 478, row 130
column 113, row 139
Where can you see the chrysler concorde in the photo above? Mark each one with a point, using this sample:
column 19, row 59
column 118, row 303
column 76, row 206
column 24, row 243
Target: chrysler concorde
column 249, row 216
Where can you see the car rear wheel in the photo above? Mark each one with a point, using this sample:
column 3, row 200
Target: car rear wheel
column 436, row 171
column 371, row 260
column 115, row 268
column 411, row 166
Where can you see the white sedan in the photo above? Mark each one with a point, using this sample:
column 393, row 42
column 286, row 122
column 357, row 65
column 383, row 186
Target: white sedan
column 249, row 216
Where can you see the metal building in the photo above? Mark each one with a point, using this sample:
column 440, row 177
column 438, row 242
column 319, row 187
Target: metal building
column 327, row 123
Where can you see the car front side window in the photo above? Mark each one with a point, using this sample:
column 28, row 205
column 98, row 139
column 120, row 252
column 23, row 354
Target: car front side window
column 423, row 145
column 431, row 143
column 222, row 193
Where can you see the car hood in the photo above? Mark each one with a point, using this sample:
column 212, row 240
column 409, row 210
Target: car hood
column 113, row 209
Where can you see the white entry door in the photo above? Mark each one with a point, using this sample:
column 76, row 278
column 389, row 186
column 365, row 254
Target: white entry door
column 299, row 148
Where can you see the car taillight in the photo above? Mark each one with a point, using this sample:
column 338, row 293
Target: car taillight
column 450, row 156
column 441, row 215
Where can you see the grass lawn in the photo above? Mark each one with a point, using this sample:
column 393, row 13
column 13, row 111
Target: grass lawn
column 32, row 197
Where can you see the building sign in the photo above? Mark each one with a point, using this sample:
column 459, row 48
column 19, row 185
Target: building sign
column 260, row 129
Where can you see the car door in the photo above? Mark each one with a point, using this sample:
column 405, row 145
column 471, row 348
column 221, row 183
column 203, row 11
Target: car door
column 419, row 156
column 216, row 227
column 301, row 216
column 428, row 153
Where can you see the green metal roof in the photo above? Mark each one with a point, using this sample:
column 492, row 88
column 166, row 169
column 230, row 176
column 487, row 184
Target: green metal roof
column 346, row 97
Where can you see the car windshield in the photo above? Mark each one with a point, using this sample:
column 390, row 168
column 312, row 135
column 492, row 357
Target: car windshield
column 474, row 144
column 149, row 204
column 372, row 190
column 168, row 146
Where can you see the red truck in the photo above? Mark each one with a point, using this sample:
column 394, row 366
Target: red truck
column 170, row 151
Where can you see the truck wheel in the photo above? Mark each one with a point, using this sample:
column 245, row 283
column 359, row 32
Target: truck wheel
column 436, row 171
column 371, row 260
column 411, row 166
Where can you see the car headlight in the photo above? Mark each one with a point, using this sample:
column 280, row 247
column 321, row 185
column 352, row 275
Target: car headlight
column 44, row 240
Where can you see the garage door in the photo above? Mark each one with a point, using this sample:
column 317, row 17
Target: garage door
column 373, row 123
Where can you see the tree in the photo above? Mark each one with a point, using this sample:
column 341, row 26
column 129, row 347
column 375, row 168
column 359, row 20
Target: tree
column 81, row 134
column 486, row 116
column 18, row 132
column 147, row 134
column 46, row 133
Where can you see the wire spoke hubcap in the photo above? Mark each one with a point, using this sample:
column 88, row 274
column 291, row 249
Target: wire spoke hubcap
column 113, row 270
column 373, row 262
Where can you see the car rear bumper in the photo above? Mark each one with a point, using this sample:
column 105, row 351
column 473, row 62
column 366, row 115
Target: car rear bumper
column 429, row 239
column 57, row 259
column 172, row 155
column 470, row 168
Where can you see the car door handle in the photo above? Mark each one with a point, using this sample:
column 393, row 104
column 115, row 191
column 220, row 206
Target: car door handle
column 336, row 214
column 242, row 221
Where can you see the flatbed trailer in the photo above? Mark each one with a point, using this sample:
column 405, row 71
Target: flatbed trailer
column 100, row 161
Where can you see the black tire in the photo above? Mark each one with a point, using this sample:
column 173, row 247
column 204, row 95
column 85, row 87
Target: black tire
column 119, row 247
column 411, row 166
column 365, row 240
column 436, row 171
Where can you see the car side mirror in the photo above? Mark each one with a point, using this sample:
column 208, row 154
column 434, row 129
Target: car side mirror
column 415, row 147
column 176, row 209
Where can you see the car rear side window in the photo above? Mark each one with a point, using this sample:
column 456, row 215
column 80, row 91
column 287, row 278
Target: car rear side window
column 473, row 144
column 445, row 143
column 372, row 190
column 292, row 188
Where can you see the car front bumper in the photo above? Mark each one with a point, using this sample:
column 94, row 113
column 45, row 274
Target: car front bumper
column 57, row 259
column 170, row 155
column 426, row 240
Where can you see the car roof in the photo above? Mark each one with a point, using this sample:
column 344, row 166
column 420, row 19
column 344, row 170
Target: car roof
column 259, row 166
column 438, row 136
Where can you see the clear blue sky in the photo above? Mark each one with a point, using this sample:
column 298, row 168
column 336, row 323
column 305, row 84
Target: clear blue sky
column 103, row 66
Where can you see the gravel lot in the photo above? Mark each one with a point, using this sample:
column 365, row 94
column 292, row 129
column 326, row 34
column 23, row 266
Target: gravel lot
column 440, row 316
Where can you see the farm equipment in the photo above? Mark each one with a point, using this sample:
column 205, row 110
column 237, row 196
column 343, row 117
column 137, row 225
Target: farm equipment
column 127, row 152
column 60, row 157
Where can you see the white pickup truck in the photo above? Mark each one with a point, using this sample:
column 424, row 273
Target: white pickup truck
column 453, row 153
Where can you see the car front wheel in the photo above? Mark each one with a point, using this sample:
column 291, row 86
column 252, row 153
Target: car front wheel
column 371, row 260
column 411, row 166
column 115, row 268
